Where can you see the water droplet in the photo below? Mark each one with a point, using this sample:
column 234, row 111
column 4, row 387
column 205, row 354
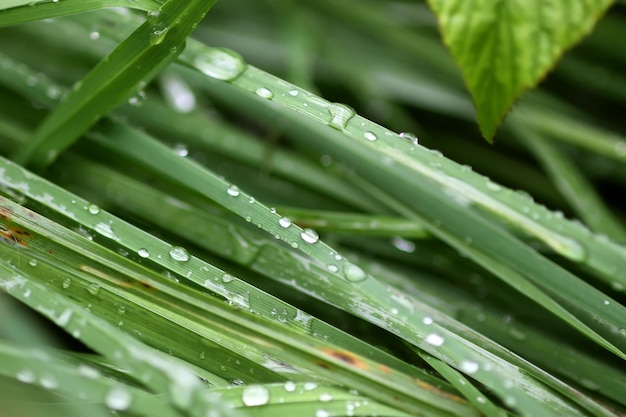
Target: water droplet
column 88, row 371
column 93, row 209
column 32, row 262
column 49, row 382
column 264, row 93
column 178, row 95
column 340, row 114
column 295, row 245
column 121, row 309
column 66, row 283
column 468, row 367
column 255, row 395
column 293, row 93
column 510, row 401
column 434, row 339
column 180, row 149
column 26, row 376
column 158, row 35
column 118, row 398
column 233, row 191
column 221, row 64
column 310, row 386
column 333, row 268
column 137, row 100
column 106, row 230
column 227, row 278
column 353, row 273
column 325, row 397
column 180, row 254
column 403, row 244
column 427, row 321
column 321, row 413
column 65, row 317
column 370, row 136
column 309, row 236
column 94, row 36
column 143, row 253
column 410, row 137
column 93, row 289
column 284, row 222
column 290, row 386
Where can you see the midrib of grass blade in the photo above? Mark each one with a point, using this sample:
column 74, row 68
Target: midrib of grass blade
column 249, row 330
column 22, row 11
column 151, row 367
column 134, row 62
column 81, row 383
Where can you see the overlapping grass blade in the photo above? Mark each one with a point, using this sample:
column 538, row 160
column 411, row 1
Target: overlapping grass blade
column 573, row 185
column 15, row 12
column 82, row 383
column 151, row 367
column 135, row 61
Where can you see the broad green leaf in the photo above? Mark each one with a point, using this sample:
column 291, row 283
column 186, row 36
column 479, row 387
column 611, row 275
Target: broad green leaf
column 505, row 47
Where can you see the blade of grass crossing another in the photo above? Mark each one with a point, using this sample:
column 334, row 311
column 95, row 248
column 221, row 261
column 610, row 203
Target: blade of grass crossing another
column 132, row 64
column 15, row 12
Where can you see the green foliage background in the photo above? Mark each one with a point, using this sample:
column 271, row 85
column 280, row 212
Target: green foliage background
column 212, row 231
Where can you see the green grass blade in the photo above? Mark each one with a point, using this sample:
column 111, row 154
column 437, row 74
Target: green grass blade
column 15, row 12
column 464, row 385
column 136, row 60
column 572, row 184
column 80, row 383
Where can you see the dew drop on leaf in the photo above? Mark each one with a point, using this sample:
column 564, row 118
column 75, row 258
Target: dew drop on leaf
column 93, row 209
column 264, row 93
column 284, row 222
column 434, row 339
column 340, row 114
column 49, row 382
column 26, row 376
column 370, row 136
column 219, row 63
column 143, row 253
column 118, row 398
column 468, row 367
column 255, row 395
column 309, row 236
column 353, row 273
column 410, row 137
column 290, row 386
column 180, row 254
column 233, row 191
